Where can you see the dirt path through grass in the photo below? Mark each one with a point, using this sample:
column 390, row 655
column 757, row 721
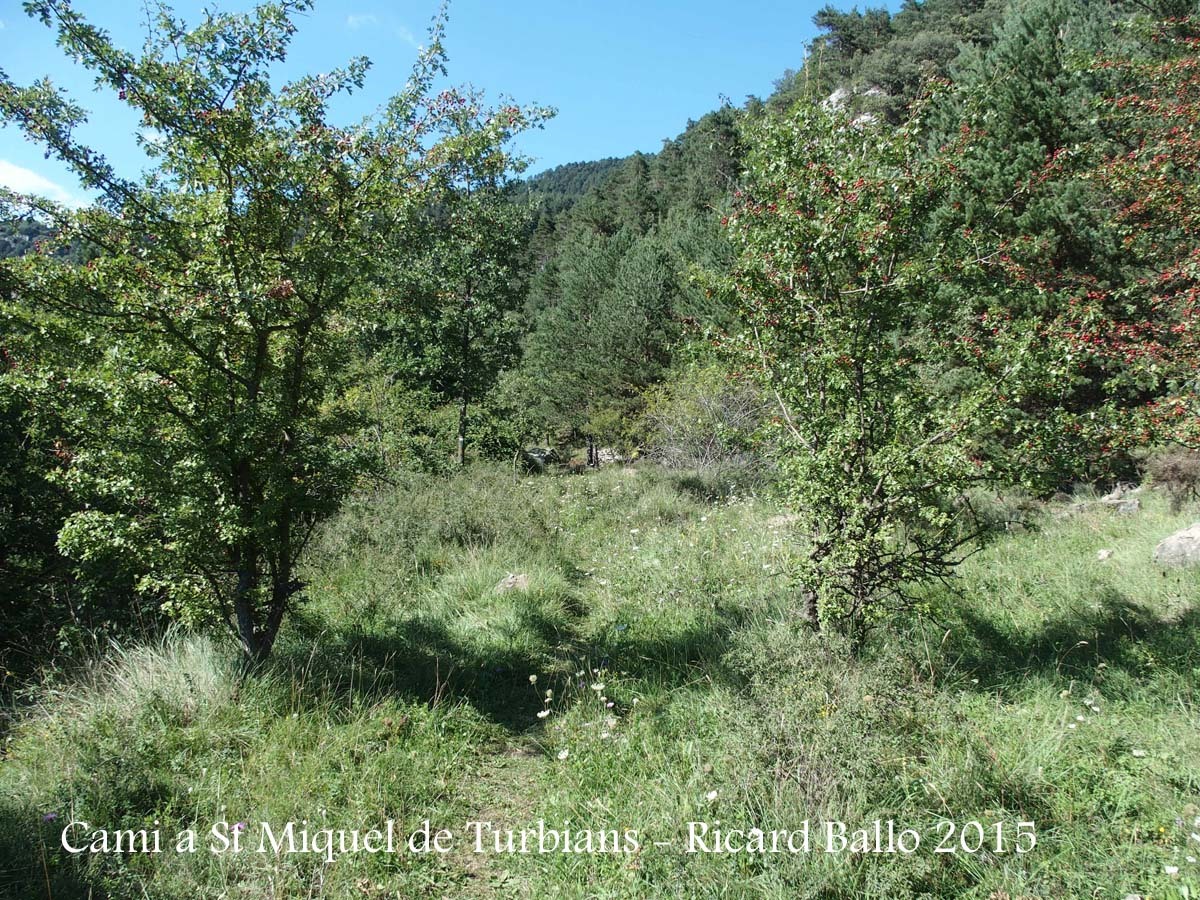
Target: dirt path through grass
column 504, row 794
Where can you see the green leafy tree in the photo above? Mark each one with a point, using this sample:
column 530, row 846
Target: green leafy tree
column 1032, row 104
column 1026, row 98
column 37, row 592
column 197, row 358
column 878, row 63
column 454, row 319
column 609, row 296
column 839, row 283
column 1142, row 335
column 850, row 34
column 636, row 208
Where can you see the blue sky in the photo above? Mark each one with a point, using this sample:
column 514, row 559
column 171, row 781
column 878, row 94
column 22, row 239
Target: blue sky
column 623, row 75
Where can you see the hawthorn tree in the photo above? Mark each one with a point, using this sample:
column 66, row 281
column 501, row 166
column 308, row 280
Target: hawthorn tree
column 1145, row 334
column 1130, row 342
column 1027, row 100
column 840, row 282
column 196, row 359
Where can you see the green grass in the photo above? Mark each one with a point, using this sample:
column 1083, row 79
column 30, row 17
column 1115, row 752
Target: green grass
column 1051, row 687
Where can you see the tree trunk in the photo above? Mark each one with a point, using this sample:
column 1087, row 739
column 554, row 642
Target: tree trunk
column 282, row 588
column 462, row 432
column 810, row 609
column 257, row 639
column 464, row 354
column 243, row 603
column 593, row 458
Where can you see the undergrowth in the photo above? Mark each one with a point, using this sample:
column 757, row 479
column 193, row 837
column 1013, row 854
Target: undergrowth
column 657, row 633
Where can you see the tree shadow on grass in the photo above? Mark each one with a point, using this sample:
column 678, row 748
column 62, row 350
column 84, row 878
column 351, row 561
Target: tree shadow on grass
column 688, row 655
column 32, row 864
column 1108, row 632
column 420, row 660
column 423, row 660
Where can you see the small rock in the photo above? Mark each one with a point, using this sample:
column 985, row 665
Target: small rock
column 513, row 582
column 610, row 455
column 1103, row 555
column 783, row 521
column 1124, row 507
column 1117, row 494
column 1181, row 549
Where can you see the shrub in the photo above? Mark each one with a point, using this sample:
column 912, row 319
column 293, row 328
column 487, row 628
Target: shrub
column 1177, row 469
column 704, row 421
column 839, row 282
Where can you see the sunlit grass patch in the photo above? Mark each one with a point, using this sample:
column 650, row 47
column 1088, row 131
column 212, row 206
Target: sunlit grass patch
column 608, row 651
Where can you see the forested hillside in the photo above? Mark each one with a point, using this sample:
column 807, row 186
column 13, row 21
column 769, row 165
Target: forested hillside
column 557, row 190
column 601, row 335
column 832, row 462
column 878, row 62
column 17, row 237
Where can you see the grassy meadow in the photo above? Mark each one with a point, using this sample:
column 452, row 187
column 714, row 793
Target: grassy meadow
column 659, row 636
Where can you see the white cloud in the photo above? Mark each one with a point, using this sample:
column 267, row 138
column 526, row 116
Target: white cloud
column 1, row 24
column 26, row 181
column 407, row 36
column 356, row 21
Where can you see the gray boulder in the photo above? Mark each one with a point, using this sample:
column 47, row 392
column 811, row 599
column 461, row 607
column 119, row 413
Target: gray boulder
column 513, row 582
column 1180, row 549
column 1124, row 507
column 1122, row 499
column 609, row 455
